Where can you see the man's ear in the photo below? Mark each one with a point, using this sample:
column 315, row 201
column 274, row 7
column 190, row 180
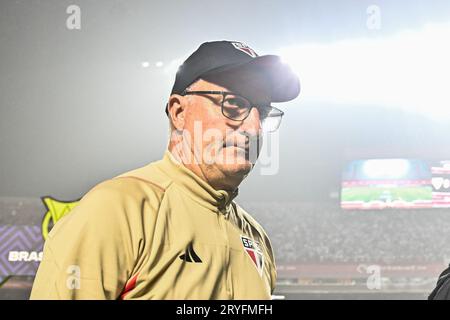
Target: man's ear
column 177, row 111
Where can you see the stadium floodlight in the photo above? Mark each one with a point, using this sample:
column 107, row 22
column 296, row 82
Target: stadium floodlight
column 406, row 70
column 386, row 168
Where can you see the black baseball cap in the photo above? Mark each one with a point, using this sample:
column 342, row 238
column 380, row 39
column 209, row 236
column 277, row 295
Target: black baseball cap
column 234, row 58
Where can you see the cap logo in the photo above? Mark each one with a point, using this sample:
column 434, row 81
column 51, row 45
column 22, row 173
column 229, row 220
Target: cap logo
column 244, row 48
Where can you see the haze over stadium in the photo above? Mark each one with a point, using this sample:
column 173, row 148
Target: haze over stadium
column 80, row 106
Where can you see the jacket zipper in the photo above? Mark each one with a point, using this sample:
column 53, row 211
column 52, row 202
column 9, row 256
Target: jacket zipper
column 222, row 222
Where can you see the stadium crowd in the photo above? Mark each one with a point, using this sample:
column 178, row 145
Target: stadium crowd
column 324, row 233
column 320, row 233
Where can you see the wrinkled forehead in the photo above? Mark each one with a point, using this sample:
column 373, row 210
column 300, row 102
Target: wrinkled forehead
column 255, row 87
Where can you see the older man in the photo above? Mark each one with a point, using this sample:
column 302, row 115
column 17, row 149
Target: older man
column 171, row 230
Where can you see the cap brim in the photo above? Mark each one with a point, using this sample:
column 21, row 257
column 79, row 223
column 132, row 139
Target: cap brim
column 284, row 83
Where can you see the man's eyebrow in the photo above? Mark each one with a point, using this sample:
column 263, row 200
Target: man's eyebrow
column 217, row 98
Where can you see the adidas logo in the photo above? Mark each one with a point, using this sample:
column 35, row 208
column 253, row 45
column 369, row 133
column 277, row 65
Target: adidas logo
column 190, row 255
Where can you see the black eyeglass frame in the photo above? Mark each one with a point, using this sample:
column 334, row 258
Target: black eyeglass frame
column 252, row 105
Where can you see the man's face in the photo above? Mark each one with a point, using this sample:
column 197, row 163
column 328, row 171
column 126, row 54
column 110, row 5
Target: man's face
column 223, row 148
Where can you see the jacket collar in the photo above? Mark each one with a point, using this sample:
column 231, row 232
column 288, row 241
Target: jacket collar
column 196, row 187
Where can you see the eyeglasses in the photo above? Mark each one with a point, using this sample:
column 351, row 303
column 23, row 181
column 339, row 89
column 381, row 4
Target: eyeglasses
column 238, row 108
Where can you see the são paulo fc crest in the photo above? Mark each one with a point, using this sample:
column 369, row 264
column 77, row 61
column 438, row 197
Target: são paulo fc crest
column 255, row 253
column 244, row 48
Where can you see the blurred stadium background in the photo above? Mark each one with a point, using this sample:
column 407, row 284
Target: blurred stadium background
column 321, row 251
column 80, row 106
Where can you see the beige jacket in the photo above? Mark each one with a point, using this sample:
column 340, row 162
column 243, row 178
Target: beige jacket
column 157, row 232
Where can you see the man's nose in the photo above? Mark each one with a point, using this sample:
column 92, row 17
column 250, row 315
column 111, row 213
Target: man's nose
column 252, row 124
